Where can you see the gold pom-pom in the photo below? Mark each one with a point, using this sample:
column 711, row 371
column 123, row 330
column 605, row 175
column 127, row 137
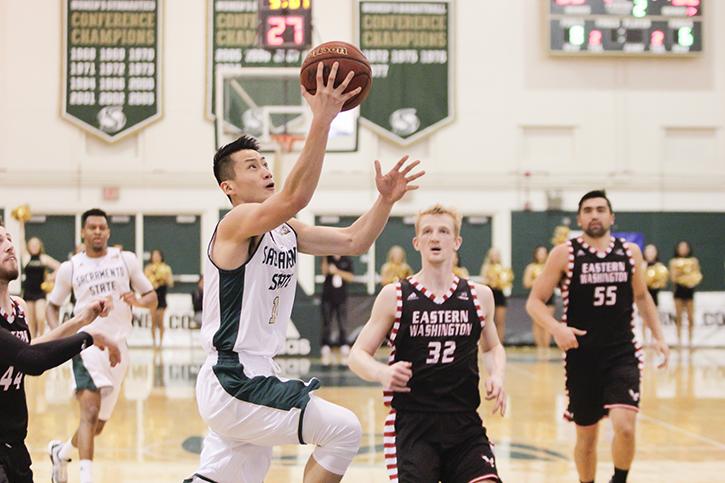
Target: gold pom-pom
column 21, row 213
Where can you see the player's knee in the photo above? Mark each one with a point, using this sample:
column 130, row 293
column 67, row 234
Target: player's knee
column 625, row 429
column 347, row 432
column 586, row 445
column 340, row 442
column 89, row 413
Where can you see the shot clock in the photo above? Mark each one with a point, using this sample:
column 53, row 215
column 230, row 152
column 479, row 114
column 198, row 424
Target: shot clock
column 652, row 28
column 285, row 23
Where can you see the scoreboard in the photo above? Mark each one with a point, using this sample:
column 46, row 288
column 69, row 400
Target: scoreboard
column 650, row 28
column 285, row 23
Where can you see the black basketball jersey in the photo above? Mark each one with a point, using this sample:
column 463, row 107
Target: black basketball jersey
column 440, row 338
column 597, row 293
column 14, row 420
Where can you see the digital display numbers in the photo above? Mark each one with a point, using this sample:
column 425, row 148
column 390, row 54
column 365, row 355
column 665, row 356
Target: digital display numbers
column 285, row 23
column 626, row 27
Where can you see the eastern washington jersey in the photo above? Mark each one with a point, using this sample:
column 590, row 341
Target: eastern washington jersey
column 90, row 279
column 14, row 410
column 248, row 309
column 597, row 293
column 439, row 336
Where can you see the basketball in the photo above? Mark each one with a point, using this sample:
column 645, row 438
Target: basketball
column 350, row 58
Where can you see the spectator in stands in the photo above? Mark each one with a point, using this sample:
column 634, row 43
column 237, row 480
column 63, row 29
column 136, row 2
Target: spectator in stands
column 686, row 275
column 197, row 300
column 542, row 338
column 38, row 271
column 395, row 268
column 458, row 270
column 161, row 277
column 499, row 278
column 338, row 273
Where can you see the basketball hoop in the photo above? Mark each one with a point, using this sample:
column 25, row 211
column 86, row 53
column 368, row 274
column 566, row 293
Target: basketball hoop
column 285, row 142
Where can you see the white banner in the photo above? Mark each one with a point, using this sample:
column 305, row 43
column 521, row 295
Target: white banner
column 709, row 320
column 181, row 330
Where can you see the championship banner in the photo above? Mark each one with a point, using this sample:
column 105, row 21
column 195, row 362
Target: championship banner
column 255, row 33
column 409, row 48
column 111, row 65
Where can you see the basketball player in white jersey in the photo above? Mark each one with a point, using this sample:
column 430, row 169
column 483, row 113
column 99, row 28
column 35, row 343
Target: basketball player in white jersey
column 249, row 287
column 98, row 271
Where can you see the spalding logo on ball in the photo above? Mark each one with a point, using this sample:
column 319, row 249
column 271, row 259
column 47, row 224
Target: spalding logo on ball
column 349, row 58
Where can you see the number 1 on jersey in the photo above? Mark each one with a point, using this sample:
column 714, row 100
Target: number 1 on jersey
column 275, row 310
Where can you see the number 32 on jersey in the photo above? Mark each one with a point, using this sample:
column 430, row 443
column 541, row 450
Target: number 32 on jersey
column 441, row 352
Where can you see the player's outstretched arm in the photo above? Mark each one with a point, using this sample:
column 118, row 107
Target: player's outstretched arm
column 357, row 238
column 89, row 313
column 362, row 361
column 494, row 356
column 56, row 347
column 542, row 290
column 645, row 304
column 251, row 219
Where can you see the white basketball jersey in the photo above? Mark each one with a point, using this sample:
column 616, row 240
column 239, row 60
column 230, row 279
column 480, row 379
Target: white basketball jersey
column 96, row 278
column 247, row 310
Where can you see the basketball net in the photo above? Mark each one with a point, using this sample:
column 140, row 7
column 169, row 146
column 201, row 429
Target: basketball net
column 284, row 143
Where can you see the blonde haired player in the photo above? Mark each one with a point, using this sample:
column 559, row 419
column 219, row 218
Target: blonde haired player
column 434, row 322
column 249, row 287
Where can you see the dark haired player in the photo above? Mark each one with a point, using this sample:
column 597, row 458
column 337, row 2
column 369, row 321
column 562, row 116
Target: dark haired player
column 97, row 271
column 249, row 287
column 600, row 281
column 434, row 322
column 18, row 356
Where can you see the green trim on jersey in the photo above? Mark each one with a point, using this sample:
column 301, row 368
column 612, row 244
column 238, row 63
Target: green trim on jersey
column 231, row 295
column 266, row 391
column 82, row 376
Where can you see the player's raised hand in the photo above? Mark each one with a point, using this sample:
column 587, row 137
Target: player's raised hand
column 396, row 182
column 395, row 377
column 495, row 391
column 664, row 350
column 103, row 342
column 327, row 100
column 565, row 337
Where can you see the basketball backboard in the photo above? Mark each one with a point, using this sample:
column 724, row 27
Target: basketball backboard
column 264, row 102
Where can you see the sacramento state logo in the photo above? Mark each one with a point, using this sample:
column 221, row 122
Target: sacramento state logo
column 111, row 119
column 405, row 121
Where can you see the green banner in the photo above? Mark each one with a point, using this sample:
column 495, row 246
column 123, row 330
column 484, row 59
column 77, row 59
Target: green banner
column 233, row 40
column 408, row 46
column 111, row 65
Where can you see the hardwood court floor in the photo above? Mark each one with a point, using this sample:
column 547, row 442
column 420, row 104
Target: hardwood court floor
column 680, row 435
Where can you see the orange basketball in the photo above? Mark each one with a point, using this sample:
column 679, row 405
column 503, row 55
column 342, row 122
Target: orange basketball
column 349, row 58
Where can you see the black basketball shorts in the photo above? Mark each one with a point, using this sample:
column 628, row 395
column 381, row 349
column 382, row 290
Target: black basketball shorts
column 15, row 463
column 599, row 379
column 445, row 447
